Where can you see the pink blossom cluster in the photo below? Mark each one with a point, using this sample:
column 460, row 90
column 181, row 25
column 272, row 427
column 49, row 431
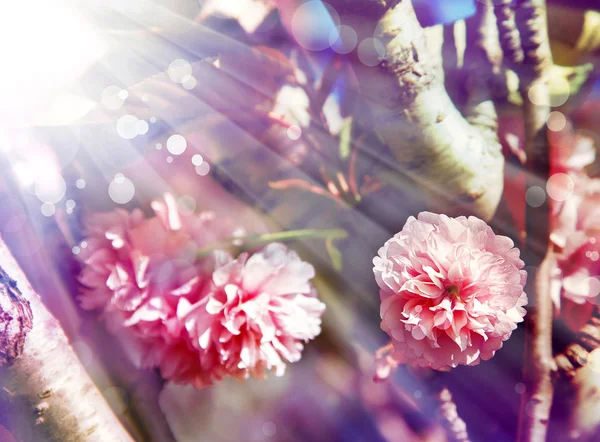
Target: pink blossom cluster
column 576, row 229
column 451, row 292
column 198, row 319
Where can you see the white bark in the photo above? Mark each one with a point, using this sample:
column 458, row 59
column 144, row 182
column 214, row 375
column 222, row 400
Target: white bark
column 48, row 382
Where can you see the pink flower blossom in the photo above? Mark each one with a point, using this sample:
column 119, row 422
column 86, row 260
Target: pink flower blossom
column 139, row 270
column 257, row 314
column 197, row 320
column 578, row 240
column 386, row 361
column 576, row 232
column 451, row 291
column 570, row 154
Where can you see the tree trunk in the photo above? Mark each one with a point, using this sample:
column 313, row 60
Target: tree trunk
column 48, row 394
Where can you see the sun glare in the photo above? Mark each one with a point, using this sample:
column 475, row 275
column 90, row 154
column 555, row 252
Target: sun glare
column 45, row 45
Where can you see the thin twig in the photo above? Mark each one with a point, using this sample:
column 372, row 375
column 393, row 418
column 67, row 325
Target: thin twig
column 539, row 364
column 537, row 402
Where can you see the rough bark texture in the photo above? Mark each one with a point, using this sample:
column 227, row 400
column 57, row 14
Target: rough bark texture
column 581, row 379
column 509, row 34
column 15, row 320
column 47, row 383
column 576, row 354
column 532, row 25
column 459, row 164
column 483, row 58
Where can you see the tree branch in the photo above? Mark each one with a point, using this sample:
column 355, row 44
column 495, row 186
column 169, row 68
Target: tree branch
column 433, row 142
column 537, row 59
column 539, row 364
column 483, row 57
column 509, row 34
column 576, row 367
column 576, row 354
column 61, row 403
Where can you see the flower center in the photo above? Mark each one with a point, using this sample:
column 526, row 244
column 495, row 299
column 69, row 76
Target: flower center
column 452, row 291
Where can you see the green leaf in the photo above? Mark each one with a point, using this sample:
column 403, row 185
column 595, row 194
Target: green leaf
column 589, row 39
column 334, row 254
column 345, row 138
column 564, row 82
column 250, row 241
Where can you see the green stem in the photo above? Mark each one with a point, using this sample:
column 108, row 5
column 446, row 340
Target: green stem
column 250, row 241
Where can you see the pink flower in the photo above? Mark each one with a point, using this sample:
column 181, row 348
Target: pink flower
column 139, row 270
column 258, row 312
column 578, row 241
column 386, row 361
column 451, row 291
column 197, row 320
column 576, row 232
column 570, row 154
